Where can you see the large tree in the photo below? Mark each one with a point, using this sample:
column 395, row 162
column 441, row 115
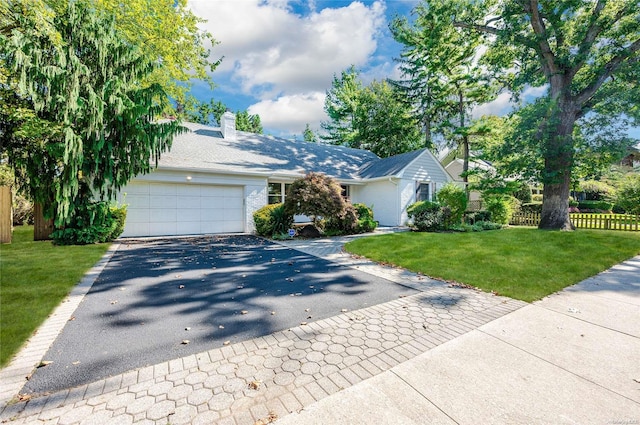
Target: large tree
column 372, row 117
column 586, row 53
column 210, row 113
column 77, row 122
column 442, row 78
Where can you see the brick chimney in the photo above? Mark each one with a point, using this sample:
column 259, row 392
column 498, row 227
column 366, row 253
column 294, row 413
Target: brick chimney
column 228, row 125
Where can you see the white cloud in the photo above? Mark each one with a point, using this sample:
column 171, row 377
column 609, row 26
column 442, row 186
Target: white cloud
column 269, row 50
column 291, row 113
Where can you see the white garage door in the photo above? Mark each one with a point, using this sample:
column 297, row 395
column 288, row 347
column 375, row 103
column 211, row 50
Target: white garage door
column 159, row 209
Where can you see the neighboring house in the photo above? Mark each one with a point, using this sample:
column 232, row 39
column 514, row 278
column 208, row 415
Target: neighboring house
column 214, row 179
column 455, row 167
column 632, row 159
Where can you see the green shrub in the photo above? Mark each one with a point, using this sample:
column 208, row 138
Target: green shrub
column 366, row 223
column 501, row 208
column 22, row 210
column 455, row 198
column 596, row 190
column 523, row 194
column 344, row 223
column 95, row 222
column 532, row 207
column 471, row 217
column 628, row 196
column 595, row 206
column 272, row 220
column 426, row 216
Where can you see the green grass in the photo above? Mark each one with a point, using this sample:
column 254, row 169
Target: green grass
column 522, row 263
column 34, row 278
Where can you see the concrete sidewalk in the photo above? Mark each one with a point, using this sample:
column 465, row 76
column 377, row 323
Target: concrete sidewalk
column 571, row 358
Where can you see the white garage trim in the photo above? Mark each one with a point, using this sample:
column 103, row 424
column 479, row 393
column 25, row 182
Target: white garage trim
column 163, row 209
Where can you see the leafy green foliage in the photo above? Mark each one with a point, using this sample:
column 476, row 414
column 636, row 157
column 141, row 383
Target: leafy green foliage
column 308, row 135
column 628, row 196
column 595, row 206
column 501, row 207
column 366, row 222
column 317, row 196
column 94, row 222
column 455, row 198
column 442, row 79
column 210, row 113
column 167, row 32
column 345, row 223
column 372, row 117
column 426, row 216
column 596, row 190
column 272, row 220
column 94, row 127
column 587, row 54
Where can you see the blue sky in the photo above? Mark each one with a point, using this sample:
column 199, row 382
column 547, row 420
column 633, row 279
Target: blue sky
column 280, row 56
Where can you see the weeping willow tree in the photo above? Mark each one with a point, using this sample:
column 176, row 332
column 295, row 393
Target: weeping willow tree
column 76, row 122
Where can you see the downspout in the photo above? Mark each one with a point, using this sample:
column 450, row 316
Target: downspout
column 399, row 210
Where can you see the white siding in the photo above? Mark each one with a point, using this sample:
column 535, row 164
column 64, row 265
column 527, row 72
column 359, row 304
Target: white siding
column 383, row 196
column 426, row 168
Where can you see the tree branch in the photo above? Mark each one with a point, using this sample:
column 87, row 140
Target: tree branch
column 608, row 69
column 592, row 33
column 540, row 31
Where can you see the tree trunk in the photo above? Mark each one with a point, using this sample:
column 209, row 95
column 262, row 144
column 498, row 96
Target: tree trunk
column 558, row 161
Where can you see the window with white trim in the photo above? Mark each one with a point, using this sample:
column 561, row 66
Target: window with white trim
column 422, row 191
column 277, row 192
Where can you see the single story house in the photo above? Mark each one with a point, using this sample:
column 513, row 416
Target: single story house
column 213, row 179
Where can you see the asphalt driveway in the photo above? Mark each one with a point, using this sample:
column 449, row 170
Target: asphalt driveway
column 164, row 299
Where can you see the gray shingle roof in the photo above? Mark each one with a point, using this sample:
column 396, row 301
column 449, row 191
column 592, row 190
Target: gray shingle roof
column 203, row 147
column 388, row 166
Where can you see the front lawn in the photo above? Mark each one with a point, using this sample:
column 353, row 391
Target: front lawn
column 34, row 278
column 522, row 263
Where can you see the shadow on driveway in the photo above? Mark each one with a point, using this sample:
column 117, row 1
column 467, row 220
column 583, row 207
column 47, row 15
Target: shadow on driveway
column 153, row 295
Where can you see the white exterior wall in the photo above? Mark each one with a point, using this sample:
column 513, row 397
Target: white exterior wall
column 407, row 197
column 426, row 168
column 383, row 196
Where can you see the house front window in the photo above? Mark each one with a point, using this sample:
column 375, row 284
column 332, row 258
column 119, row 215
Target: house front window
column 422, row 192
column 277, row 192
column 346, row 192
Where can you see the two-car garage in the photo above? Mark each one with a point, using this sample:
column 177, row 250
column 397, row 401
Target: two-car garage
column 161, row 209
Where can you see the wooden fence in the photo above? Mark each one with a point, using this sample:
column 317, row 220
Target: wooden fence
column 6, row 220
column 624, row 222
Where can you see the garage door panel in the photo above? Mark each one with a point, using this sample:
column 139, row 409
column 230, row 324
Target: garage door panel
column 163, row 228
column 137, row 215
column 163, row 189
column 136, row 229
column 212, row 203
column 182, row 209
column 212, row 215
column 137, row 189
column 189, row 215
column 162, row 215
column 137, row 200
column 187, row 202
column 231, row 215
column 230, row 202
column 162, row 201
column 188, row 190
column 188, row 228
